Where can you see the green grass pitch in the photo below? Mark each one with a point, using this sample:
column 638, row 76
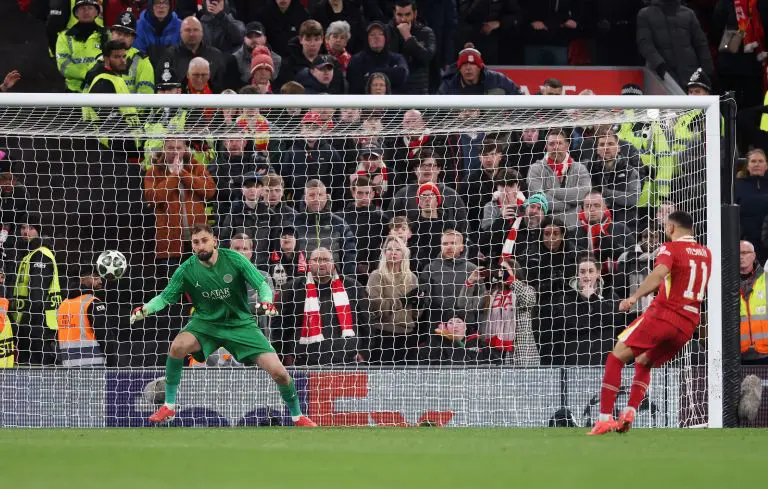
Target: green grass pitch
column 386, row 458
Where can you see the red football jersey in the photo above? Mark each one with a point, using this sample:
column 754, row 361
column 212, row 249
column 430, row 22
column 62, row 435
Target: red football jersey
column 682, row 292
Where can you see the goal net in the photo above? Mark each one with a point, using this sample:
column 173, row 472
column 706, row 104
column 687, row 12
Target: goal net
column 434, row 260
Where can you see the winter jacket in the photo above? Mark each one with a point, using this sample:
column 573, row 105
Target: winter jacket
column 328, row 230
column 282, row 27
column 427, row 234
column 494, row 230
column 222, row 31
column 294, row 62
column 313, row 86
column 477, row 191
column 228, row 171
column 389, row 313
column 565, row 194
column 263, row 224
column 549, row 271
column 179, row 56
column 578, row 330
column 367, row 62
column 301, row 163
column 150, row 32
column 369, row 226
column 448, row 293
column 77, row 50
column 751, row 194
column 179, row 202
column 670, row 34
column 333, row 350
column 553, row 13
column 620, row 187
column 418, row 52
column 243, row 59
column 491, row 83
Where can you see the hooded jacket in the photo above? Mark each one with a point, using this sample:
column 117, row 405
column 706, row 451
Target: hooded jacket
column 367, row 62
column 150, row 32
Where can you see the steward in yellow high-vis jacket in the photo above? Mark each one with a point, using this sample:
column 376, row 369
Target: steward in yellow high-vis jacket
column 36, row 297
column 78, row 47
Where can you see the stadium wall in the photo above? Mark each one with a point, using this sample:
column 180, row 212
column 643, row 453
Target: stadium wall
column 390, row 397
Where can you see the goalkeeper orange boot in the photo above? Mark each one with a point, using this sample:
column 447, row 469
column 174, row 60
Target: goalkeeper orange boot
column 304, row 422
column 625, row 420
column 163, row 415
column 603, row 427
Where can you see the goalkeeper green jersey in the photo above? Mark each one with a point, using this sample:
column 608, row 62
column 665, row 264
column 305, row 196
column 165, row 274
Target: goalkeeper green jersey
column 219, row 293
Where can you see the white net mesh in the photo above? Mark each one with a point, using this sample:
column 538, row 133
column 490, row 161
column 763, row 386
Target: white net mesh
column 425, row 213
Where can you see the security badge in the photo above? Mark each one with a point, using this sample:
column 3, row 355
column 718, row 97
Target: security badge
column 166, row 75
column 126, row 19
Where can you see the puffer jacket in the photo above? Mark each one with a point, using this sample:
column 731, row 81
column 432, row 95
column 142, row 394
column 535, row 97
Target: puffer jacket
column 328, row 230
column 670, row 34
column 179, row 202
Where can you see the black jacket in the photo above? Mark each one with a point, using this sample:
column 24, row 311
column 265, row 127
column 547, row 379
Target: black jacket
column 313, row 86
column 350, row 12
column 418, row 52
column 294, row 62
column 553, row 13
column 301, row 163
column 264, row 224
column 491, row 83
column 223, row 66
column 228, row 170
column 328, row 230
column 282, row 27
column 333, row 350
column 366, row 62
column 578, row 330
column 477, row 191
column 670, row 34
column 368, row 225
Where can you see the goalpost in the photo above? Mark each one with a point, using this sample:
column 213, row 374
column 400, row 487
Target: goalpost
column 96, row 172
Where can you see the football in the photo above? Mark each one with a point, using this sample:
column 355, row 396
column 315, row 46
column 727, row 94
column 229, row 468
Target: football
column 111, row 265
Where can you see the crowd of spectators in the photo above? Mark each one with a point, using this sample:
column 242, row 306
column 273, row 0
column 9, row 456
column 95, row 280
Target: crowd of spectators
column 510, row 247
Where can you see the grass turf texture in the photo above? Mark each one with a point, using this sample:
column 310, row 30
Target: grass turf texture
column 390, row 458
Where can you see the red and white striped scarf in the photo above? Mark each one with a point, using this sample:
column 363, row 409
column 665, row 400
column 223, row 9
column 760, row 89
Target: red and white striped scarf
column 560, row 169
column 508, row 250
column 415, row 144
column 312, row 324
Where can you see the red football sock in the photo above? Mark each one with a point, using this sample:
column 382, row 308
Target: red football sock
column 639, row 385
column 611, row 384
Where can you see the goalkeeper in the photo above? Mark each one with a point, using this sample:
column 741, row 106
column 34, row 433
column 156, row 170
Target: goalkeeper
column 216, row 281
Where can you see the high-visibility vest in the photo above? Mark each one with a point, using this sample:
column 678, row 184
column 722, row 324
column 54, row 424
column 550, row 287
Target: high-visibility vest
column 764, row 117
column 6, row 336
column 754, row 317
column 77, row 341
column 660, row 156
column 140, row 77
column 21, row 289
column 129, row 115
column 75, row 58
column 155, row 128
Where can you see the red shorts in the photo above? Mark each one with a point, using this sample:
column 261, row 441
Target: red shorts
column 658, row 339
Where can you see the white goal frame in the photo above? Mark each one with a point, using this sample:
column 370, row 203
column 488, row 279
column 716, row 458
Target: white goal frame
column 708, row 104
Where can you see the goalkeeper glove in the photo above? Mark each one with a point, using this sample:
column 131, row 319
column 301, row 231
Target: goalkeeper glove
column 267, row 309
column 138, row 314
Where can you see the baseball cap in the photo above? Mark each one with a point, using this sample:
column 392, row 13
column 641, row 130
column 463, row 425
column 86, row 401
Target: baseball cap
column 254, row 27
column 322, row 60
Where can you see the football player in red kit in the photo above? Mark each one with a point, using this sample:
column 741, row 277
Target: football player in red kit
column 681, row 273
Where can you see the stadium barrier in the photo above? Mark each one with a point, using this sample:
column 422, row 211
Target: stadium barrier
column 481, row 397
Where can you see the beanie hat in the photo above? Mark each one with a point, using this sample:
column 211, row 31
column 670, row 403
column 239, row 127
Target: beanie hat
column 631, row 89
column 261, row 58
column 431, row 187
column 470, row 55
column 539, row 198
